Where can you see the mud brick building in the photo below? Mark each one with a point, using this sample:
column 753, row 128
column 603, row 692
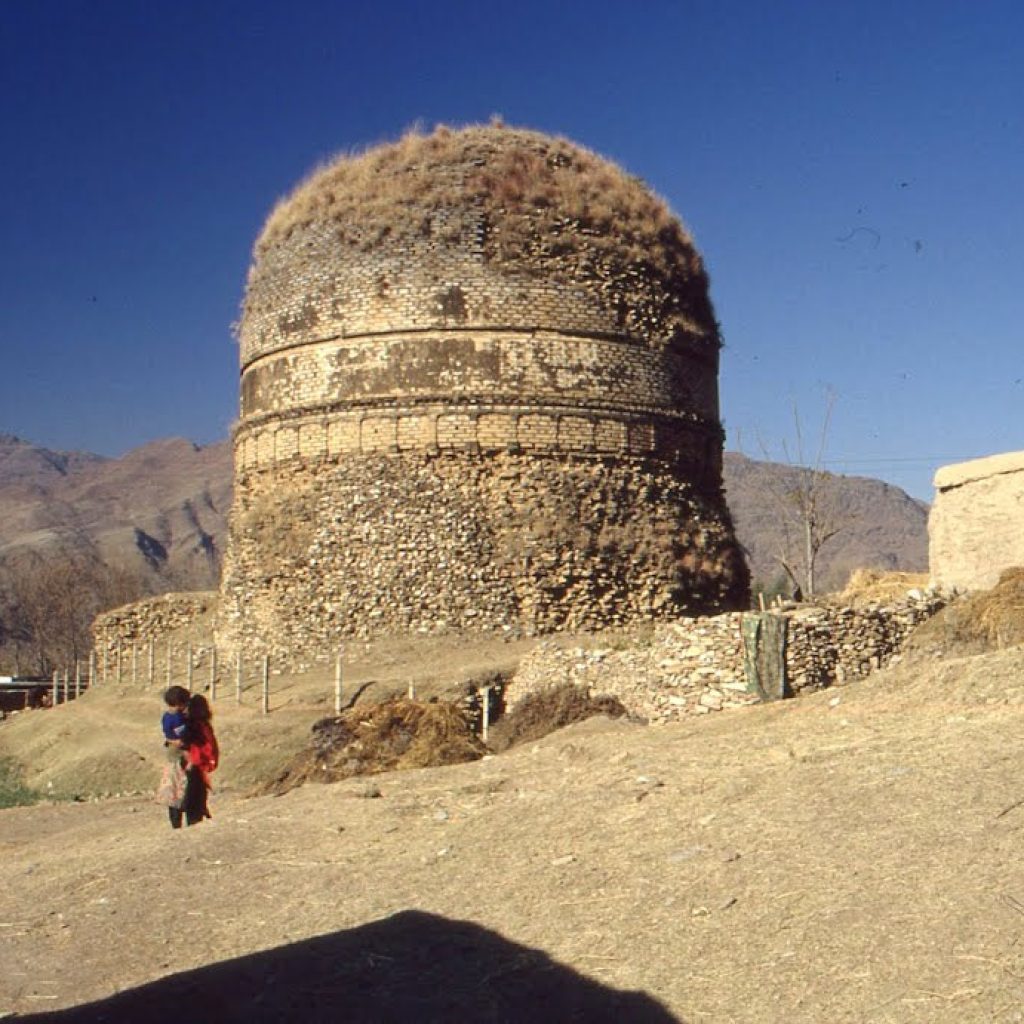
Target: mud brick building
column 976, row 524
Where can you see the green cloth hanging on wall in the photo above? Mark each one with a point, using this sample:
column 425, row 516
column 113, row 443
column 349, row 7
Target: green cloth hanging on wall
column 764, row 654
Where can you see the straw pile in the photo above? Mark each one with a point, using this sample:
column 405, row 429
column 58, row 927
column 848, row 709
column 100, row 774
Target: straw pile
column 398, row 733
column 879, row 586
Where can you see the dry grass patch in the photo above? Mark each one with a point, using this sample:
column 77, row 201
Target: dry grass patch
column 879, row 586
column 989, row 620
column 401, row 733
column 543, row 712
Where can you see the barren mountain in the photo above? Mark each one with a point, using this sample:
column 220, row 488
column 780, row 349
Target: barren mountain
column 878, row 525
column 161, row 511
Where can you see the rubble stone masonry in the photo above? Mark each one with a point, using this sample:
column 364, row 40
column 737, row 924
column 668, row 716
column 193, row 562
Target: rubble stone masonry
column 666, row 672
column 179, row 624
column 697, row 666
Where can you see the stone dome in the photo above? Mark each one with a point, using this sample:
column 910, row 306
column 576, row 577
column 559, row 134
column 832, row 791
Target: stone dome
column 543, row 213
column 479, row 389
column 487, row 229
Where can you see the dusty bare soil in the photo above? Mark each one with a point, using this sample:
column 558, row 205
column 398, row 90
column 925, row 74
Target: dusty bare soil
column 853, row 856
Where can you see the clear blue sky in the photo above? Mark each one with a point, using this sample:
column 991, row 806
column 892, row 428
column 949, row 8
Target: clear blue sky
column 852, row 172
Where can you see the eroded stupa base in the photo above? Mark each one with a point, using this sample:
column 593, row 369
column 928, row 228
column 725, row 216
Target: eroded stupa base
column 418, row 543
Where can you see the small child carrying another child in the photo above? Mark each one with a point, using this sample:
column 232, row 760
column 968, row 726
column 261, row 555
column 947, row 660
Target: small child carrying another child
column 192, row 754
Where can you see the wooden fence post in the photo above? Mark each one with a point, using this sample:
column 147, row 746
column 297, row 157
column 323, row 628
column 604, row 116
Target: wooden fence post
column 56, row 696
column 213, row 673
column 238, row 676
column 78, row 678
column 104, row 666
column 266, row 684
column 337, row 680
column 91, row 679
column 67, row 686
column 485, row 719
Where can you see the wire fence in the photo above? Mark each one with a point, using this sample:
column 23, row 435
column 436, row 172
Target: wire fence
column 200, row 667
column 197, row 667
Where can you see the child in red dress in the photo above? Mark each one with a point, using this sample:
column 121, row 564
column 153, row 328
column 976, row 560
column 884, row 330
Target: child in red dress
column 201, row 758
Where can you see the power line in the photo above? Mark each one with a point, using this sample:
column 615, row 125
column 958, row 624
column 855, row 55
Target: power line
column 881, row 460
column 871, row 460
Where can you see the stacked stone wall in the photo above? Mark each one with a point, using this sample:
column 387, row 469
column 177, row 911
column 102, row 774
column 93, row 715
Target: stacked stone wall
column 696, row 666
column 671, row 671
column 185, row 621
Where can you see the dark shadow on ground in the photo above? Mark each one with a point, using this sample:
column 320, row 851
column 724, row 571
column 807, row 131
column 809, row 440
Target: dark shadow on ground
column 412, row 968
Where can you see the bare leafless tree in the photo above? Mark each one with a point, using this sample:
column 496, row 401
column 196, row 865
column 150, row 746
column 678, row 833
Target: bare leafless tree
column 806, row 500
column 48, row 603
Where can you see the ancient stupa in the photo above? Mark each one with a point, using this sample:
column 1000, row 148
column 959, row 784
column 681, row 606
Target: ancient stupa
column 479, row 390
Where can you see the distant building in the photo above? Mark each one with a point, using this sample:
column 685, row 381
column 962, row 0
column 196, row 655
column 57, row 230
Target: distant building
column 976, row 525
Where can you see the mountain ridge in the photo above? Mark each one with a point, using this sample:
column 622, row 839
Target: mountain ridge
column 160, row 511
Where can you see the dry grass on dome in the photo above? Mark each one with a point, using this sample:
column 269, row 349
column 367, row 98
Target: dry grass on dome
column 536, row 203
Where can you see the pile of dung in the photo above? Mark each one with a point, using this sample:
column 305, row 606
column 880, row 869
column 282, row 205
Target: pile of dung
column 979, row 622
column 396, row 734
column 544, row 711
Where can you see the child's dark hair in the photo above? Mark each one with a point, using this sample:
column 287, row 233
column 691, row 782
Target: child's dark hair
column 176, row 696
column 199, row 709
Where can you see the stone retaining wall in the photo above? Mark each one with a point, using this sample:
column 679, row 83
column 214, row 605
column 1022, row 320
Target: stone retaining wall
column 171, row 622
column 675, row 670
column 696, row 666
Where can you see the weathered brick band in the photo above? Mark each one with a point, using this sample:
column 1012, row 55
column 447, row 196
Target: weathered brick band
column 467, row 366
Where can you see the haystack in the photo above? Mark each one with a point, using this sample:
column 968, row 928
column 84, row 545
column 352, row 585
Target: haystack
column 544, row 711
column 879, row 586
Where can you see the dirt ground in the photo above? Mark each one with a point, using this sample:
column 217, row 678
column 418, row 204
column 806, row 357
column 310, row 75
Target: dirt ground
column 851, row 856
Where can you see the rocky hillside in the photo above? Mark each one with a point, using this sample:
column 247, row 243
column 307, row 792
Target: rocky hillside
column 161, row 511
column 158, row 511
column 878, row 525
